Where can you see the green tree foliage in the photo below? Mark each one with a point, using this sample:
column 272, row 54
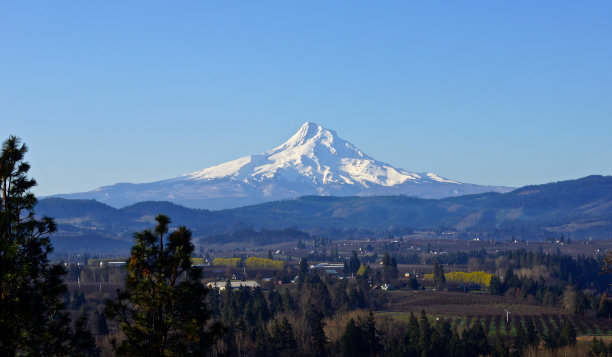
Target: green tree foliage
column 162, row 310
column 31, row 289
column 364, row 271
column 255, row 262
column 598, row 348
column 227, row 262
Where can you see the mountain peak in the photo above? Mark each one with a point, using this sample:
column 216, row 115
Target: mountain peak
column 307, row 132
column 314, row 161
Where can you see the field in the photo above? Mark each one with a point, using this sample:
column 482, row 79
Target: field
column 464, row 309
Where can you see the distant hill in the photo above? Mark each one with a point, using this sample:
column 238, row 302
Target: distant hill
column 579, row 208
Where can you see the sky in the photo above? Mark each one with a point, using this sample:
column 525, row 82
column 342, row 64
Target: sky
column 487, row 92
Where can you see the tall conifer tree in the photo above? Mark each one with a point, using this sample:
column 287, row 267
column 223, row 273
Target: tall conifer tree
column 31, row 288
column 162, row 310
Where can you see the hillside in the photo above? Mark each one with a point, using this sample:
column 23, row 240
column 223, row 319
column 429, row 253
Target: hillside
column 579, row 208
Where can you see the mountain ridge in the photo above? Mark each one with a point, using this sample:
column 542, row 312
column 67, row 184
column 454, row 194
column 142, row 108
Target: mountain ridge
column 580, row 208
column 314, row 161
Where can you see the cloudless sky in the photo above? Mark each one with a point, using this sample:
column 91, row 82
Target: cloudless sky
column 487, row 92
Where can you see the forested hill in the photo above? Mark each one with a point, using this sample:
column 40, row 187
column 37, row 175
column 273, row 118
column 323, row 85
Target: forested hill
column 581, row 208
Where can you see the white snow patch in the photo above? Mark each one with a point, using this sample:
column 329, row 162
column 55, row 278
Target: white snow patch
column 439, row 179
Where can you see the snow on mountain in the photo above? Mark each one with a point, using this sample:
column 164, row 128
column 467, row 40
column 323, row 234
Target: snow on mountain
column 314, row 153
column 314, row 161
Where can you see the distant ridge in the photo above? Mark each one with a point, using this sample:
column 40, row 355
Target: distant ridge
column 314, row 161
column 577, row 208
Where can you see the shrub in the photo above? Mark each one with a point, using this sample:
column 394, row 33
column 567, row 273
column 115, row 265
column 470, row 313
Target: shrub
column 255, row 262
column 227, row 262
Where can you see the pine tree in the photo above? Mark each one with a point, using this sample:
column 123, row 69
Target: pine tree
column 82, row 341
column 532, row 332
column 521, row 340
column 438, row 275
column 386, row 265
column 162, row 310
column 351, row 340
column 101, row 324
column 317, row 346
column 424, row 341
column 31, row 288
column 568, row 334
column 495, row 286
column 371, row 335
column 354, row 263
column 499, row 348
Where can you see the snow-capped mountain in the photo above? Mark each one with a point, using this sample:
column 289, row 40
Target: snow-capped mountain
column 314, row 161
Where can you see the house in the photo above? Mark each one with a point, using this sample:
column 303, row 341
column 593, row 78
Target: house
column 234, row 284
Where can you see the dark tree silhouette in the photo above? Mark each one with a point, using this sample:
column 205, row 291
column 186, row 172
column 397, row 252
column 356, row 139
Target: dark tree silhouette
column 438, row 275
column 31, row 288
column 162, row 310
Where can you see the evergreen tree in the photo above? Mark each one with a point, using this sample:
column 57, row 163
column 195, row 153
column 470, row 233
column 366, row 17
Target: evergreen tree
column 438, row 275
column 499, row 348
column 568, row 333
column 162, row 310
column 424, row 341
column 101, row 324
column 262, row 342
column 598, row 348
column 393, row 270
column 282, row 337
column 346, row 270
column 302, row 271
column 351, row 340
column 288, row 304
column 354, row 263
column 495, row 286
column 521, row 341
column 31, row 289
column 370, row 336
column 455, row 347
column 532, row 332
column 83, row 342
column 386, row 265
column 475, row 341
column 317, row 340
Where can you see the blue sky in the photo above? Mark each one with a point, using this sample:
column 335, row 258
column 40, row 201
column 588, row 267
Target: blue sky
column 502, row 93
